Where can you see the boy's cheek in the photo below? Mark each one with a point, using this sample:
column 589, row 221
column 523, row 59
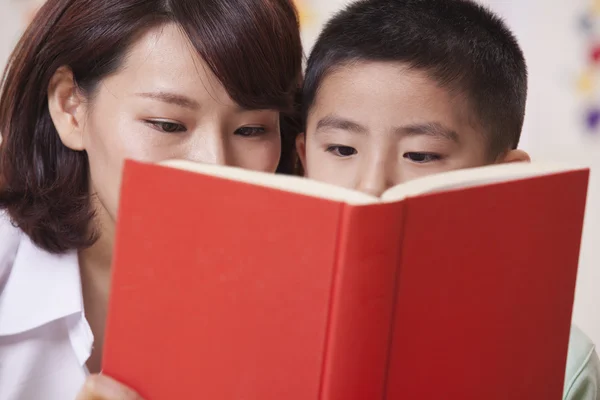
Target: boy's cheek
column 325, row 168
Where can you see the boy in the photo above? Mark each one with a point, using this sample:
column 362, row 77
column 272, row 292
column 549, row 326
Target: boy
column 399, row 89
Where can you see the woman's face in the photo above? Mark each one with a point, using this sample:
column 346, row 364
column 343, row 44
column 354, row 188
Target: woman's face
column 163, row 103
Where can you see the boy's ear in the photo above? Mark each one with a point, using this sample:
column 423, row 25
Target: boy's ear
column 515, row 156
column 301, row 149
column 66, row 106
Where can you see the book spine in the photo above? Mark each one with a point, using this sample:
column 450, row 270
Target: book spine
column 362, row 302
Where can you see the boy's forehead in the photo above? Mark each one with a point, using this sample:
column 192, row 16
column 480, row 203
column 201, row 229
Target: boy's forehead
column 379, row 93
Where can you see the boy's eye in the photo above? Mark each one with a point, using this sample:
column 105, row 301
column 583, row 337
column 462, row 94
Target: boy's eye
column 422, row 158
column 167, row 126
column 250, row 131
column 342, row 151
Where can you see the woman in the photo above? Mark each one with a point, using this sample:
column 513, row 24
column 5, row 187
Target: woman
column 90, row 84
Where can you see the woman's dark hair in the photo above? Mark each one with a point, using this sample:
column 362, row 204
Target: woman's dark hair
column 252, row 46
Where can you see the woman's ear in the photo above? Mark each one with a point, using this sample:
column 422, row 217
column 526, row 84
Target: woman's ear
column 515, row 156
column 66, row 105
column 301, row 149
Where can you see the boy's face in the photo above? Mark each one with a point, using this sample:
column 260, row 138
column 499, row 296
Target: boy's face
column 374, row 125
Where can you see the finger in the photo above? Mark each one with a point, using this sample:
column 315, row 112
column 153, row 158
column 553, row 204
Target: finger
column 101, row 387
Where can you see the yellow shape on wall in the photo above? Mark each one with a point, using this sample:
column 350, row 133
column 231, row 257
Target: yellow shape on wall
column 596, row 7
column 304, row 12
column 585, row 83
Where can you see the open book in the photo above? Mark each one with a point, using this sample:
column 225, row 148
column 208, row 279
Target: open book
column 230, row 284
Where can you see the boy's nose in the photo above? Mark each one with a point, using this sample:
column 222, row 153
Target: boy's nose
column 375, row 180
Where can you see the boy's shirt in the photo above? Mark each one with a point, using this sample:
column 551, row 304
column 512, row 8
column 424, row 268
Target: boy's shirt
column 582, row 377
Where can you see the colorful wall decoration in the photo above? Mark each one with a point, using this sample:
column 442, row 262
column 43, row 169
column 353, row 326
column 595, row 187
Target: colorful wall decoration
column 588, row 81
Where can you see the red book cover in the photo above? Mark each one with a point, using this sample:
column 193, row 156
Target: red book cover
column 236, row 285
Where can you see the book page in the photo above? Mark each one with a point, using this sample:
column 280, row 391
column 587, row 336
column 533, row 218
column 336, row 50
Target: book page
column 471, row 177
column 293, row 184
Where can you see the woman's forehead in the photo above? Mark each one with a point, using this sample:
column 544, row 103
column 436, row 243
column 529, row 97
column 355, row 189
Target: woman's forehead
column 163, row 60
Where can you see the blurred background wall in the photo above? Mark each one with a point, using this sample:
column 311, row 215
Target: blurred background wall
column 561, row 41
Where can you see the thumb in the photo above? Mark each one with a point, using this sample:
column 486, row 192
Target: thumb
column 102, row 387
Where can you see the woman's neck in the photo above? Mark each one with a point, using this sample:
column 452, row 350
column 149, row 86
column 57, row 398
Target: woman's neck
column 94, row 265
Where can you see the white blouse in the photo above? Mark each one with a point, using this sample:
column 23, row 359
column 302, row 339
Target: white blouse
column 45, row 339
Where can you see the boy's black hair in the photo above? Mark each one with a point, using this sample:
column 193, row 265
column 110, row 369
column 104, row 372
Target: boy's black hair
column 463, row 46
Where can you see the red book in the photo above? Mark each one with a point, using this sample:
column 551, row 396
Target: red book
column 230, row 284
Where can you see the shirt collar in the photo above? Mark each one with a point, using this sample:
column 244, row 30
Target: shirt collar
column 41, row 287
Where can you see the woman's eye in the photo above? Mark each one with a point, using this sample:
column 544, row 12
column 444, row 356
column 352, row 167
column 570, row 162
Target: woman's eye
column 422, row 158
column 250, row 131
column 342, row 151
column 167, row 127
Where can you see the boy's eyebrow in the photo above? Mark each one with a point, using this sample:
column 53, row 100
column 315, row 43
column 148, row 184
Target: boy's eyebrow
column 171, row 98
column 429, row 129
column 335, row 122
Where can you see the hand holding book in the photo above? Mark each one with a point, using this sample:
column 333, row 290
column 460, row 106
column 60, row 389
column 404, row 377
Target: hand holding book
column 102, row 387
